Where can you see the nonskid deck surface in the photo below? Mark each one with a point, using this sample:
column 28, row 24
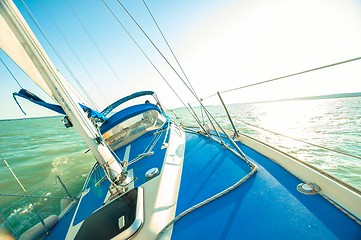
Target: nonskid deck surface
column 266, row 206
column 93, row 195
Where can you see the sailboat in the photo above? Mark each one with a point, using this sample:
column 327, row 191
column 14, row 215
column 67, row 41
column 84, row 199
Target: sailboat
column 154, row 179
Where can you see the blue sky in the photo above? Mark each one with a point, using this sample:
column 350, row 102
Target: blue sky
column 220, row 44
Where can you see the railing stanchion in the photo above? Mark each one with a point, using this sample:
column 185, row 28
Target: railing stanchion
column 229, row 116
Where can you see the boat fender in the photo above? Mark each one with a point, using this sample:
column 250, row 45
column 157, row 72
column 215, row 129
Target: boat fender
column 64, row 203
column 38, row 230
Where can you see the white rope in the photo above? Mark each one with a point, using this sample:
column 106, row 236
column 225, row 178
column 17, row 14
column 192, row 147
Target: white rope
column 254, row 169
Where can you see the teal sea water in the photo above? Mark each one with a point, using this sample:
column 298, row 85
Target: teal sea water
column 40, row 149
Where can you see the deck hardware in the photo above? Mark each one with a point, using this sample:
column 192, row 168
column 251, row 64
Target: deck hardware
column 308, row 188
column 121, row 222
column 67, row 123
column 152, row 172
column 147, row 154
column 97, row 184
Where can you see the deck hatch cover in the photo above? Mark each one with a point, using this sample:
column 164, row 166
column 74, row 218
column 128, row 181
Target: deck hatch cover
column 104, row 223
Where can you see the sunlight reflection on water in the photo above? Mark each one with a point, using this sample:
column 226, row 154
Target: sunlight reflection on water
column 330, row 123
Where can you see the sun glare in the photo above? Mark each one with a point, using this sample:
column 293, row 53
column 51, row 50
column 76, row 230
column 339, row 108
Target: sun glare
column 289, row 118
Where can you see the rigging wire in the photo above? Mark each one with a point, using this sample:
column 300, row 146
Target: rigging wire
column 56, row 52
column 294, row 74
column 27, row 196
column 173, row 54
column 302, row 141
column 11, row 73
column 169, row 47
column 286, row 76
column 96, row 45
column 77, row 57
column 137, row 44
column 169, row 64
column 149, row 60
column 155, row 46
column 190, row 88
column 49, row 42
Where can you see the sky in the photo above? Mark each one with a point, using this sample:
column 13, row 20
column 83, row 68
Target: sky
column 220, row 45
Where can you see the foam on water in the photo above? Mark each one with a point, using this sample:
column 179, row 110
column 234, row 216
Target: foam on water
column 38, row 150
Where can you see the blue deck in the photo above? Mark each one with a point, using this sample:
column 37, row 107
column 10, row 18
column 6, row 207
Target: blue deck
column 96, row 195
column 139, row 146
column 267, row 206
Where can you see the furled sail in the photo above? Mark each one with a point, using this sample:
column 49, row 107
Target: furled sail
column 92, row 114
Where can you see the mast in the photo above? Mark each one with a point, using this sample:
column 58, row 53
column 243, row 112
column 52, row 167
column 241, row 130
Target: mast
column 22, row 46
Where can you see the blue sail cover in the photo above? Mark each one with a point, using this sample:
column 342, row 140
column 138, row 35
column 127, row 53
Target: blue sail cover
column 35, row 99
column 56, row 108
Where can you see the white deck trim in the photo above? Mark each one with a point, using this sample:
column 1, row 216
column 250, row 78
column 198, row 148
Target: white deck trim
column 160, row 206
column 341, row 193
